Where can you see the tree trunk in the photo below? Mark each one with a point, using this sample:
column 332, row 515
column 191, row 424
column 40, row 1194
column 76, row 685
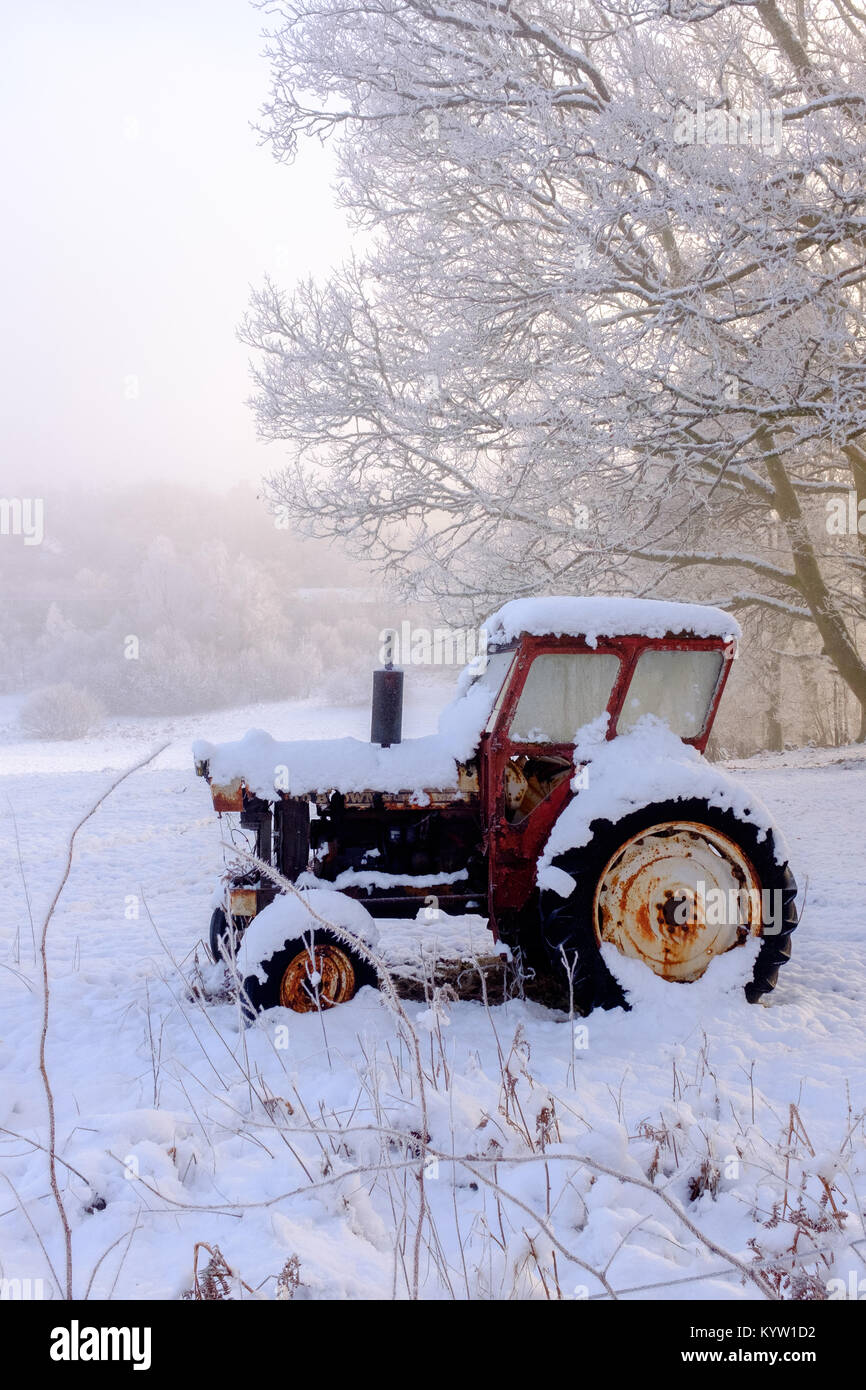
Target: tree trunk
column 828, row 620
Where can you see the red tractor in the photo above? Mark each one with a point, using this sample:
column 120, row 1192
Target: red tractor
column 565, row 797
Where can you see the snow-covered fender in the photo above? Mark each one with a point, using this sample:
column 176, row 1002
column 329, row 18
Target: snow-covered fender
column 293, row 916
column 622, row 787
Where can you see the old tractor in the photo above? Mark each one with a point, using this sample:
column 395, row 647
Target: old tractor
column 565, row 796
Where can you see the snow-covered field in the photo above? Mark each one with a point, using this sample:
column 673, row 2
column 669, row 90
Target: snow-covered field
column 658, row 1154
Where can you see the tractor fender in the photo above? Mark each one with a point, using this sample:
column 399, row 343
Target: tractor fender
column 292, row 916
column 648, row 765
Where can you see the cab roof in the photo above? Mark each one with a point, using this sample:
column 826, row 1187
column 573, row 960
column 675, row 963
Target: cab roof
column 563, row 615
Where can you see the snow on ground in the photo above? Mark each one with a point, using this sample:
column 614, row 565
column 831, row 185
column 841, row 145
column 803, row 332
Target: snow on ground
column 559, row 1159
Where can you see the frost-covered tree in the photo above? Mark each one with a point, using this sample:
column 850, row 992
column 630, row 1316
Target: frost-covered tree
column 605, row 327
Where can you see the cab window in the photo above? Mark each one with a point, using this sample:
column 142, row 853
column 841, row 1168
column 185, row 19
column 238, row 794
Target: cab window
column 676, row 686
column 563, row 691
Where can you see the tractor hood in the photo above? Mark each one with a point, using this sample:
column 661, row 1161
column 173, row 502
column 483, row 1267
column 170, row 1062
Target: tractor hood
column 265, row 766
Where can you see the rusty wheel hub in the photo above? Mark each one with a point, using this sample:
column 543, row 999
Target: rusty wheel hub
column 676, row 895
column 317, row 979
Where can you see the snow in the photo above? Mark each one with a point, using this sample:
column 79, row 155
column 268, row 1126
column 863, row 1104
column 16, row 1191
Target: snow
column 350, row 765
column 598, row 617
column 266, row 764
column 290, row 915
column 651, row 995
column 364, row 878
column 411, row 945
column 123, row 740
column 646, row 765
column 291, row 1137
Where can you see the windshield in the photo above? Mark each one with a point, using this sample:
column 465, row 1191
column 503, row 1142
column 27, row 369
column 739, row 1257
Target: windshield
column 676, row 686
column 492, row 679
column 563, row 691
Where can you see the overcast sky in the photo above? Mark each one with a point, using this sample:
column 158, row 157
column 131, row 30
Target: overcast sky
column 137, row 209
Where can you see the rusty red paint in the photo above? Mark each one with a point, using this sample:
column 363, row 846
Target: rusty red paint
column 513, row 846
column 229, row 797
column 513, row 849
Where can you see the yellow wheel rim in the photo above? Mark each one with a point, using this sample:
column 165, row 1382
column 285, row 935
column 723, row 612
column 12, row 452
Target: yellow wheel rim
column 675, row 896
column 317, row 979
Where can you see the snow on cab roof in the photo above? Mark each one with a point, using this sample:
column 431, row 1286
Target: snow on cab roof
column 562, row 615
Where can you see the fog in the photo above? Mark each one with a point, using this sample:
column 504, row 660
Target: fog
column 137, row 209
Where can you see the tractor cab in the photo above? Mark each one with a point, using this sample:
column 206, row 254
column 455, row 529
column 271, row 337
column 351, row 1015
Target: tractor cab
column 545, row 688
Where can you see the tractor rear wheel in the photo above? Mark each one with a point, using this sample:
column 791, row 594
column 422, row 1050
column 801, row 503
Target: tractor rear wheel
column 673, row 885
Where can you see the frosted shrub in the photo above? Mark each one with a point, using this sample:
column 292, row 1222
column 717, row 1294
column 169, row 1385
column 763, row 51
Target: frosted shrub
column 61, row 711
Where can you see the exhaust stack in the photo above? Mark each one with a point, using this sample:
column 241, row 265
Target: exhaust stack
column 387, row 715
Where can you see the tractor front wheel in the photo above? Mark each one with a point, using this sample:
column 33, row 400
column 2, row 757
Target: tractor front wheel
column 312, row 973
column 224, row 939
